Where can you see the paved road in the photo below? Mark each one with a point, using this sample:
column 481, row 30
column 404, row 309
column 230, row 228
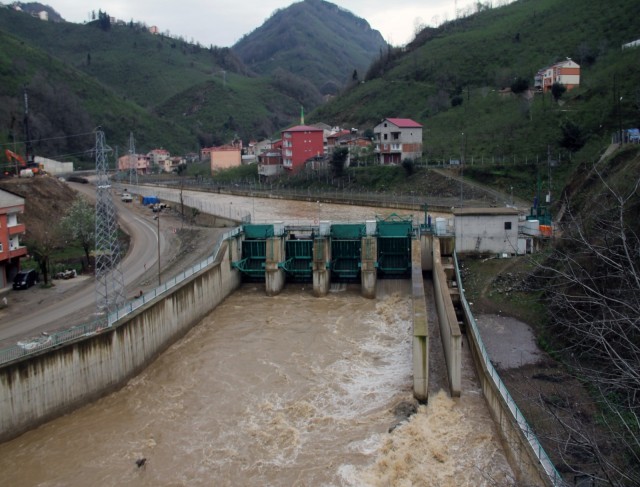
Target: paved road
column 500, row 197
column 74, row 303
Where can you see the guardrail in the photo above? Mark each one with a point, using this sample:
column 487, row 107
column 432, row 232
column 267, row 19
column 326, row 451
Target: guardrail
column 45, row 341
column 554, row 476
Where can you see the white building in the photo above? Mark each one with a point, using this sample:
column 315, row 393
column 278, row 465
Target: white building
column 486, row 230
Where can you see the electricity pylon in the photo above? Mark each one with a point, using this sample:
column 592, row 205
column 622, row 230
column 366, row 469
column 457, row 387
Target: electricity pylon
column 110, row 294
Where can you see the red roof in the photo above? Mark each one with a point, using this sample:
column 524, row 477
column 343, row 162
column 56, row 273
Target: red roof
column 303, row 128
column 404, row 122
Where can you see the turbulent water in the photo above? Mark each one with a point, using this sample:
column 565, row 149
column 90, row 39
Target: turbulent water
column 280, row 391
column 291, row 390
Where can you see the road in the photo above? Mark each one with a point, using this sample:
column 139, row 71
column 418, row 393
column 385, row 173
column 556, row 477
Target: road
column 75, row 302
column 500, row 197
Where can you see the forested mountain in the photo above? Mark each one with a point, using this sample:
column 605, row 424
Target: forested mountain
column 169, row 92
column 314, row 40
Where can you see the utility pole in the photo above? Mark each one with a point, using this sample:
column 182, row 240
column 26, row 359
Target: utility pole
column 133, row 170
column 27, row 132
column 462, row 170
column 159, row 268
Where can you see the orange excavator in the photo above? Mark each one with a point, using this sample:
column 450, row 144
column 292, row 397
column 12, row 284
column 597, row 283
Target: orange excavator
column 16, row 165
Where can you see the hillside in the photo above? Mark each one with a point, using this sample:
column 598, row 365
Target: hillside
column 449, row 79
column 65, row 107
column 314, row 40
column 147, row 69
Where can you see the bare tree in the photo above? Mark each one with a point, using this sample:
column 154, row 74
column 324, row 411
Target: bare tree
column 592, row 283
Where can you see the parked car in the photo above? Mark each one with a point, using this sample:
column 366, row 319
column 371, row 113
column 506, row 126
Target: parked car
column 25, row 279
column 127, row 198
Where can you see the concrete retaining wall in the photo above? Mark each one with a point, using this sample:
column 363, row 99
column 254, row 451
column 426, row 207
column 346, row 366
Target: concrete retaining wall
column 449, row 328
column 57, row 381
column 525, row 454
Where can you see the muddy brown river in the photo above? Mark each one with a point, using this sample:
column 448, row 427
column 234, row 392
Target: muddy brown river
column 291, row 390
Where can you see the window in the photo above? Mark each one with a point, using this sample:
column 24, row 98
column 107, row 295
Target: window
column 385, row 136
column 507, row 225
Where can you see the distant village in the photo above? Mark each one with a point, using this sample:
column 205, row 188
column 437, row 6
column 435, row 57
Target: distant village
column 393, row 141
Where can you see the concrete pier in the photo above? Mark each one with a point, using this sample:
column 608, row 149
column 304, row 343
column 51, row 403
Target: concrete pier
column 368, row 269
column 321, row 261
column 274, row 275
column 420, row 345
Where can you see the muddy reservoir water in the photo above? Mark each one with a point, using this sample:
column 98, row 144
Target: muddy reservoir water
column 291, row 390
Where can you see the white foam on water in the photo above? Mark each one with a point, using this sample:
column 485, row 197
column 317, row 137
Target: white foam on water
column 437, row 446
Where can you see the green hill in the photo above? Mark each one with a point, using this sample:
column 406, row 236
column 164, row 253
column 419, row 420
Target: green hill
column 314, row 40
column 449, row 79
column 65, row 106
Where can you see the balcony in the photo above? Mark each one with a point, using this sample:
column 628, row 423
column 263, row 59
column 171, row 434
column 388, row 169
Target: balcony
column 388, row 149
column 17, row 252
column 16, row 229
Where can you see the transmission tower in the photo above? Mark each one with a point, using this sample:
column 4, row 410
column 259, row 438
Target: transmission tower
column 133, row 162
column 109, row 279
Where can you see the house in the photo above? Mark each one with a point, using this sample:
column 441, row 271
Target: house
column 11, row 251
column 486, row 230
column 631, row 44
column 172, row 164
column 157, row 157
column 299, row 144
column 226, row 156
column 397, row 139
column 270, row 162
column 565, row 72
column 140, row 162
column 334, row 138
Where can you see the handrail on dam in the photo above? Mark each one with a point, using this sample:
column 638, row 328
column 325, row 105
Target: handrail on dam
column 552, row 473
column 25, row 348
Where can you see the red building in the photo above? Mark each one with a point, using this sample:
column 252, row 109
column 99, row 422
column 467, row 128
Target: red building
column 11, row 205
column 299, row 144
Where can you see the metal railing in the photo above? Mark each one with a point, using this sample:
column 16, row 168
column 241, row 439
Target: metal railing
column 399, row 199
column 32, row 346
column 554, row 476
column 202, row 205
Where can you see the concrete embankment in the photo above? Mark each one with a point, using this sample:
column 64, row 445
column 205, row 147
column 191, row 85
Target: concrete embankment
column 523, row 449
column 47, row 385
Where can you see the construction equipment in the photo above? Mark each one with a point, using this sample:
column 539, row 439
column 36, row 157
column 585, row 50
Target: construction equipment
column 16, row 165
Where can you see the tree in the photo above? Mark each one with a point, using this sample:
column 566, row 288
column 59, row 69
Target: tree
column 519, row 85
column 409, row 166
column 592, row 287
column 42, row 242
column 79, row 225
column 573, row 137
column 557, row 90
column 104, row 20
column 338, row 160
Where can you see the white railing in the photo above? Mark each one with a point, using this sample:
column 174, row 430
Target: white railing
column 552, row 473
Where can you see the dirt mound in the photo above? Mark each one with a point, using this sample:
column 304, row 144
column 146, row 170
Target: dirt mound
column 46, row 199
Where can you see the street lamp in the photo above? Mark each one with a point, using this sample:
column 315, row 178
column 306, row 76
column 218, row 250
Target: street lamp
column 461, row 169
column 620, row 120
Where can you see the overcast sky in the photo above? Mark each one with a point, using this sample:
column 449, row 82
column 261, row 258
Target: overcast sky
column 223, row 22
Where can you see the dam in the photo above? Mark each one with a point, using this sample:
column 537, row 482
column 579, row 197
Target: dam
column 294, row 388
